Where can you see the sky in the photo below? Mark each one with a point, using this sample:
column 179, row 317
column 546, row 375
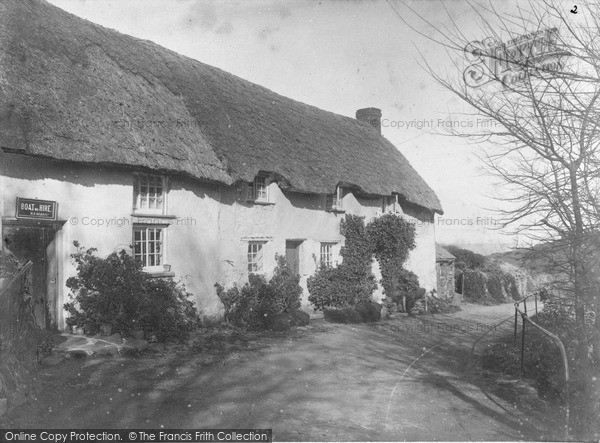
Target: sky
column 342, row 56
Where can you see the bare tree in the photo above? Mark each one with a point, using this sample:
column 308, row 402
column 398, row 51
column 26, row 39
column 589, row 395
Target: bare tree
column 535, row 72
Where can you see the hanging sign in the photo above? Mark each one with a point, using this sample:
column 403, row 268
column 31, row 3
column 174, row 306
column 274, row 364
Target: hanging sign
column 36, row 209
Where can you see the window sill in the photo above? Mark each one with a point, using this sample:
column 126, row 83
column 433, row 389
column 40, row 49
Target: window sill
column 336, row 210
column 161, row 274
column 260, row 202
column 150, row 215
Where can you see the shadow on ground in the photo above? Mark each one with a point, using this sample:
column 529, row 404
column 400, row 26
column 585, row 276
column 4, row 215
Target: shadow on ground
column 402, row 379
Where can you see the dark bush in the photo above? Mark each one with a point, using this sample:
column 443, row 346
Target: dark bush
column 474, row 286
column 392, row 238
column 501, row 285
column 299, row 318
column 249, row 305
column 343, row 315
column 414, row 296
column 441, row 306
column 352, row 282
column 256, row 304
column 116, row 291
column 495, row 286
column 467, row 258
column 406, row 284
column 369, row 312
column 285, row 286
column 327, row 288
column 280, row 322
column 407, row 281
column 167, row 310
column 285, row 320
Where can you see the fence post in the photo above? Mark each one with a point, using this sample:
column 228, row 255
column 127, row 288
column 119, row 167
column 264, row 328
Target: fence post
column 525, row 305
column 523, row 345
column 516, row 321
column 535, row 298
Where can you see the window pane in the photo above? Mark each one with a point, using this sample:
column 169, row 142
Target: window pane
column 260, row 189
column 148, row 247
column 255, row 257
column 148, row 191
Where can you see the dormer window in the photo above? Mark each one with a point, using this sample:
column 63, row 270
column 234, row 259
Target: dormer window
column 334, row 202
column 390, row 204
column 148, row 193
column 258, row 190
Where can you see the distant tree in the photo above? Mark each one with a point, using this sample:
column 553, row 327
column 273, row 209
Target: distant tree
column 466, row 258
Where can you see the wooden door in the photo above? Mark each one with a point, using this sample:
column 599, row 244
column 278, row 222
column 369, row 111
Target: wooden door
column 52, row 281
column 292, row 255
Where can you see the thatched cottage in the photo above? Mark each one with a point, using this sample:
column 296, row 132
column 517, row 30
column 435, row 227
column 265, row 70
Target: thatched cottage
column 114, row 141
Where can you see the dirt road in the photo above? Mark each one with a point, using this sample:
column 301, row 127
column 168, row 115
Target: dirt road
column 402, row 379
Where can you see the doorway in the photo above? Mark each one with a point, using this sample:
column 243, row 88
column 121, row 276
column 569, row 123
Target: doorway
column 292, row 254
column 37, row 242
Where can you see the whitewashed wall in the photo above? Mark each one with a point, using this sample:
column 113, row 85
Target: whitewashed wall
column 207, row 238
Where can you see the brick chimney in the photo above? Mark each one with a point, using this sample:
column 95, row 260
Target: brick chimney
column 371, row 116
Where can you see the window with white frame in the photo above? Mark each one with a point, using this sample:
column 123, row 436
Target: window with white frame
column 334, row 201
column 327, row 254
column 258, row 190
column 390, row 204
column 255, row 256
column 148, row 245
column 149, row 193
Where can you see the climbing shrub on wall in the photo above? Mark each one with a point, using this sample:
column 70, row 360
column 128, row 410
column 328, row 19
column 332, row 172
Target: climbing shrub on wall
column 351, row 283
column 389, row 239
column 357, row 256
column 392, row 238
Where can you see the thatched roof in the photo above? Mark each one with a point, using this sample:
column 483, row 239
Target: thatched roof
column 442, row 254
column 73, row 90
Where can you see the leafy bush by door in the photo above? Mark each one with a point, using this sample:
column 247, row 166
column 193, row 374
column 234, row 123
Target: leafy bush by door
column 115, row 290
column 256, row 304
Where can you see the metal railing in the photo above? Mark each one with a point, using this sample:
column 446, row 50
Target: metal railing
column 525, row 319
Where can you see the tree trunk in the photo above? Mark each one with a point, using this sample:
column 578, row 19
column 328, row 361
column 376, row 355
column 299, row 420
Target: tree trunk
column 579, row 275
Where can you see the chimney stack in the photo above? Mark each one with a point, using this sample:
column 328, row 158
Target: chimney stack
column 371, row 116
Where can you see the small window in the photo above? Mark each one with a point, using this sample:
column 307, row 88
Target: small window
column 148, row 245
column 334, row 201
column 390, row 204
column 258, row 190
column 148, row 193
column 255, row 257
column 327, row 254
